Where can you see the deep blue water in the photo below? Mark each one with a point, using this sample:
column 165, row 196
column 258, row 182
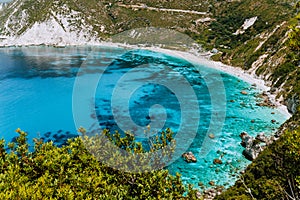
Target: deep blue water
column 49, row 92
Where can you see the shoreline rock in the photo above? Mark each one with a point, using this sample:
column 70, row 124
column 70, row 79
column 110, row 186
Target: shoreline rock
column 254, row 145
column 211, row 193
column 189, row 157
column 265, row 100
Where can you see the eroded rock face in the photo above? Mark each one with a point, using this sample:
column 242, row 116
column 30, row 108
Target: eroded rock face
column 211, row 193
column 3, row 5
column 255, row 145
column 252, row 145
column 252, row 152
column 189, row 157
column 261, row 137
column 247, row 140
column 292, row 103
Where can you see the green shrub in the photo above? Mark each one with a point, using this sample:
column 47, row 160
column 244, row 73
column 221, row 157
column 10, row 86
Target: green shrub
column 71, row 172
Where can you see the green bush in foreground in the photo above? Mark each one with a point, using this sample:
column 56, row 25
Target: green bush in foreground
column 71, row 172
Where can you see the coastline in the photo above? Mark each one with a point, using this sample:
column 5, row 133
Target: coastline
column 192, row 56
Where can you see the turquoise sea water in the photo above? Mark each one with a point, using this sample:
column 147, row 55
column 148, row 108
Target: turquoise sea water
column 131, row 89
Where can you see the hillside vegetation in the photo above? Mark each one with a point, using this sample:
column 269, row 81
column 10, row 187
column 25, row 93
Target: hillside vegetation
column 273, row 56
column 72, row 172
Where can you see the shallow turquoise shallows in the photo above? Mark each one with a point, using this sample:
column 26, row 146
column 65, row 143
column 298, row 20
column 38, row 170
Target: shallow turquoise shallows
column 42, row 90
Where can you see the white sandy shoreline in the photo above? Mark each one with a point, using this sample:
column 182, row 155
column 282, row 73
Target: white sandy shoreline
column 191, row 56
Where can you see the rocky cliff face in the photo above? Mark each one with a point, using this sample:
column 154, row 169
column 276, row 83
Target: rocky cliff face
column 292, row 103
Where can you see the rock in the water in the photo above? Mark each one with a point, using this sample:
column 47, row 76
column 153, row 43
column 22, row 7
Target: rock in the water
column 247, row 140
column 212, row 183
column 244, row 92
column 200, row 184
column 265, row 100
column 189, row 157
column 211, row 136
column 217, row 161
column 252, row 152
column 261, row 137
column 253, row 146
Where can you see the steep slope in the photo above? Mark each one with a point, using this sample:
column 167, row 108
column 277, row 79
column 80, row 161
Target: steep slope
column 209, row 22
column 88, row 19
column 275, row 173
column 270, row 55
column 38, row 22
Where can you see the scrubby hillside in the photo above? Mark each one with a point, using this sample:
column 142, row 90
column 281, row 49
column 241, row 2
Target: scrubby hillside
column 273, row 55
column 275, row 173
column 90, row 18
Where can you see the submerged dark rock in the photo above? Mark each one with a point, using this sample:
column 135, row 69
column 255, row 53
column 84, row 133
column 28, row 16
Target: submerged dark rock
column 47, row 134
column 14, row 139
